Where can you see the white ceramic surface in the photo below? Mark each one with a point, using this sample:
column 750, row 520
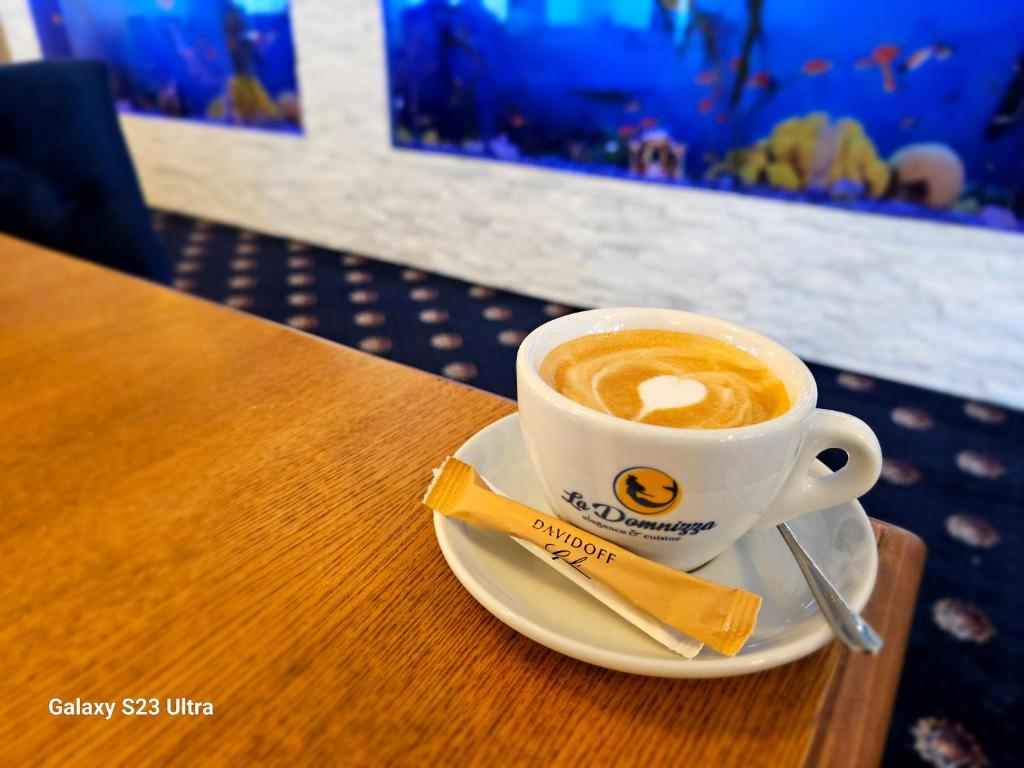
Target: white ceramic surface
column 714, row 484
column 536, row 600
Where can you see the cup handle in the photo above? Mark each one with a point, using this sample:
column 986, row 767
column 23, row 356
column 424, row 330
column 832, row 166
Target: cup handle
column 802, row 492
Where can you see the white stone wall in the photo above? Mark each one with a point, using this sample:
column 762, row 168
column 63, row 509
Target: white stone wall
column 932, row 304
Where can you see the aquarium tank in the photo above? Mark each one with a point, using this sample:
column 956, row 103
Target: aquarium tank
column 221, row 61
column 913, row 109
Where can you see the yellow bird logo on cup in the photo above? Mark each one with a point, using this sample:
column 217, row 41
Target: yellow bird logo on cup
column 647, row 491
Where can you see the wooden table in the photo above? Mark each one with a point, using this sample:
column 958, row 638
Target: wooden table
column 198, row 503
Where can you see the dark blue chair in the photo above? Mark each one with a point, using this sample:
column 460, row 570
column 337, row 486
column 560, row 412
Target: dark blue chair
column 66, row 179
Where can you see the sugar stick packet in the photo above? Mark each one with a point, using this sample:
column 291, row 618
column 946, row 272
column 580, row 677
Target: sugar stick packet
column 721, row 616
column 670, row 637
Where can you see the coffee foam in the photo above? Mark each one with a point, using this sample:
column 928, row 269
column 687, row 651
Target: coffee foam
column 667, row 378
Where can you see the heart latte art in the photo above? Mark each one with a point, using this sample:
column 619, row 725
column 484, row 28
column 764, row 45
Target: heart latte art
column 666, row 378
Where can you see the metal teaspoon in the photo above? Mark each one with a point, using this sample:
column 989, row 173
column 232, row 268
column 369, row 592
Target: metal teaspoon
column 849, row 627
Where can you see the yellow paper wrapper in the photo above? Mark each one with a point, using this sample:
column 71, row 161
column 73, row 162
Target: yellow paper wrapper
column 723, row 617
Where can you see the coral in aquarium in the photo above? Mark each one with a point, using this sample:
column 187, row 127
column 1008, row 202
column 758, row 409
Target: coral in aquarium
column 222, row 61
column 930, row 174
column 811, row 154
column 900, row 109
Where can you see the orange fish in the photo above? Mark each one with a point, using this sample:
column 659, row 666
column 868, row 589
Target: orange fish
column 518, row 121
column 626, row 131
column 721, row 118
column 211, row 53
column 908, row 122
column 760, row 79
column 814, row 67
column 648, row 122
column 734, row 63
column 706, row 77
column 633, row 106
column 705, row 105
column 884, row 55
column 918, row 58
column 863, row 62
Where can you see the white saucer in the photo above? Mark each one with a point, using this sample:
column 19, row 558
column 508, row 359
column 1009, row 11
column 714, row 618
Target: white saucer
column 534, row 599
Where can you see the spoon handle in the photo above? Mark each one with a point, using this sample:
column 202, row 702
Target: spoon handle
column 849, row 627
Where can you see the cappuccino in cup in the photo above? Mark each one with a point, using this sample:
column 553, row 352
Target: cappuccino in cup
column 673, row 434
column 666, row 378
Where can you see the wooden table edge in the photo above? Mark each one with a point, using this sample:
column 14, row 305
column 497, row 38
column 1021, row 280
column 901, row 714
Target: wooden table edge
column 11, row 240
column 858, row 705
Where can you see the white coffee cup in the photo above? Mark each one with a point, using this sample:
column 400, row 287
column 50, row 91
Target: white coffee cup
column 725, row 481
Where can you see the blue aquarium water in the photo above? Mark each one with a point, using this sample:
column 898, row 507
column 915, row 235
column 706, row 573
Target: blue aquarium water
column 213, row 60
column 890, row 107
